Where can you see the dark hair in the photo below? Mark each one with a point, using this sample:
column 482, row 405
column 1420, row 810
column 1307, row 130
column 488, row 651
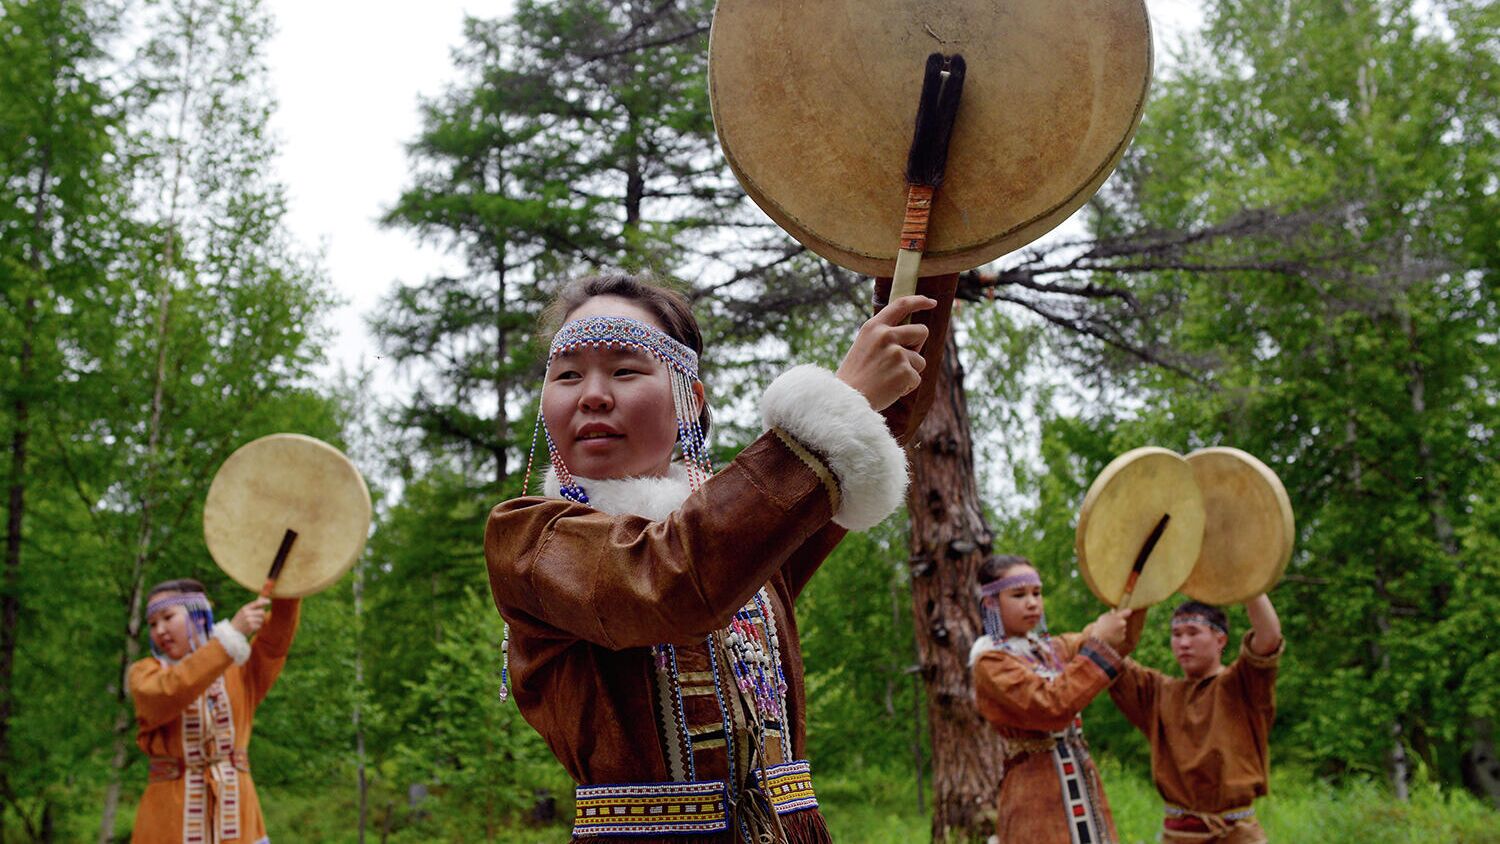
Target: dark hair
column 995, row 567
column 670, row 308
column 1208, row 611
column 182, row 584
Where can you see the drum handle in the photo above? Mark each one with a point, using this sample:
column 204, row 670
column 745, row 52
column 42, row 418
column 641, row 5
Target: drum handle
column 913, row 240
column 942, row 87
column 281, row 553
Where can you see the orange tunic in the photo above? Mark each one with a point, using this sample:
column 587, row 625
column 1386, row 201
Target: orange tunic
column 1031, row 690
column 1210, row 738
column 202, row 791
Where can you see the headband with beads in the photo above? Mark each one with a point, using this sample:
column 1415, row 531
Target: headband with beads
column 1015, row 581
column 1198, row 619
column 615, row 332
column 191, row 600
column 200, row 619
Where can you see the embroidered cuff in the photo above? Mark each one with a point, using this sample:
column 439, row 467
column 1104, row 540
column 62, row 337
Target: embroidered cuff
column 1254, row 659
column 1103, row 656
column 233, row 641
column 834, row 420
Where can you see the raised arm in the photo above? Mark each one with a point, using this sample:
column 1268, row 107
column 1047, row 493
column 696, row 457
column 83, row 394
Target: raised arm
column 625, row 581
column 1010, row 694
column 269, row 649
column 1265, row 626
column 162, row 692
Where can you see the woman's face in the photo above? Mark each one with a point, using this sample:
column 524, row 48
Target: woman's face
column 169, row 628
column 610, row 411
column 1020, row 607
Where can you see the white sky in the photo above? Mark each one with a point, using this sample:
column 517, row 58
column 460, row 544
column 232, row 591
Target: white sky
column 348, row 77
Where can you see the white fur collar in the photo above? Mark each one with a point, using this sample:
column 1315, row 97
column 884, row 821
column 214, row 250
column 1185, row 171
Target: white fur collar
column 651, row 498
column 986, row 643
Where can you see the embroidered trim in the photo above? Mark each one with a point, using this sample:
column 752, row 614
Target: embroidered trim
column 1079, row 800
column 650, row 809
column 1232, row 815
column 819, row 468
column 1103, row 656
column 789, row 787
column 199, row 765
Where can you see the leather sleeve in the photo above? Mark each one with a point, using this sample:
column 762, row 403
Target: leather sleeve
column 1134, row 693
column 162, row 692
column 906, row 414
column 268, row 651
column 1010, row 694
column 1255, row 676
column 625, row 581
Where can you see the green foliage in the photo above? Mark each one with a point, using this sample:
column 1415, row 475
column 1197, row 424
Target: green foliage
column 864, row 704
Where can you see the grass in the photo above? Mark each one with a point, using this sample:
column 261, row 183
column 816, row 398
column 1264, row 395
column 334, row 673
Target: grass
column 878, row 807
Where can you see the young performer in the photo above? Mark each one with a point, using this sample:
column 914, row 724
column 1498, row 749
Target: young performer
column 195, row 698
column 1031, row 687
column 1209, row 730
column 651, row 636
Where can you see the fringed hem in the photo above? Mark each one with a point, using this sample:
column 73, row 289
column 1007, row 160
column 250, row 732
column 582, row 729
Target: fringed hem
column 806, row 827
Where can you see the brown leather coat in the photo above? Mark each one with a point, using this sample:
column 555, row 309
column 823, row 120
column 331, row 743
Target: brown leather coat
column 588, row 594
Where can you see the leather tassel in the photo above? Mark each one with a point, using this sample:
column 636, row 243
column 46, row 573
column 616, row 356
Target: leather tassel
column 806, row 827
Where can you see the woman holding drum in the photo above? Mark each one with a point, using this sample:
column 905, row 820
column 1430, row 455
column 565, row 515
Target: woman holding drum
column 1031, row 687
column 287, row 502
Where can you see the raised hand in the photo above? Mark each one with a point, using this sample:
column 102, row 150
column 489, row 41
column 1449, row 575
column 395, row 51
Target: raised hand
column 1109, row 628
column 885, row 362
column 251, row 616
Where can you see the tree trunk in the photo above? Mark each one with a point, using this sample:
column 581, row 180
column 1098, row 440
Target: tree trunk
column 949, row 539
column 146, row 531
column 359, row 688
column 10, row 595
column 502, row 379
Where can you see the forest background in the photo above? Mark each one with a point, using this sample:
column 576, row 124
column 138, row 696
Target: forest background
column 1297, row 257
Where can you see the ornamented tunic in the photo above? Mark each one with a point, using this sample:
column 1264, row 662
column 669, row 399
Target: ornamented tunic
column 652, row 637
column 194, row 719
column 1210, row 738
column 1031, row 689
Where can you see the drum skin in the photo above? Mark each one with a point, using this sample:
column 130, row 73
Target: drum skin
column 814, row 103
column 281, row 482
column 1122, row 506
column 1250, row 529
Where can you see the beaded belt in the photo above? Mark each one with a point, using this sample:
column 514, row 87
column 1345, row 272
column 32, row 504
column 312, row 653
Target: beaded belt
column 682, row 808
column 1186, row 820
column 667, row 808
column 168, row 768
column 1016, row 747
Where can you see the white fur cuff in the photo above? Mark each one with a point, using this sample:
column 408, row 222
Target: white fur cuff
column 835, row 420
column 233, row 641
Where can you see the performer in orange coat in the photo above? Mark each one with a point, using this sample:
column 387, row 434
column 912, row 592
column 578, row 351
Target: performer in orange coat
column 195, row 701
column 1031, row 687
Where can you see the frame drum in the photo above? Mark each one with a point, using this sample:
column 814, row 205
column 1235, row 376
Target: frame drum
column 281, row 482
column 1121, row 509
column 1247, row 540
column 813, row 102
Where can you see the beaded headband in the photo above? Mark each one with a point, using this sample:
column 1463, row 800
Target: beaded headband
column 617, row 332
column 191, row 600
column 1198, row 619
column 1025, row 578
column 612, row 332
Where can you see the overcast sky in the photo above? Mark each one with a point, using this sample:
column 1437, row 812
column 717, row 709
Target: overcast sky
column 348, row 77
